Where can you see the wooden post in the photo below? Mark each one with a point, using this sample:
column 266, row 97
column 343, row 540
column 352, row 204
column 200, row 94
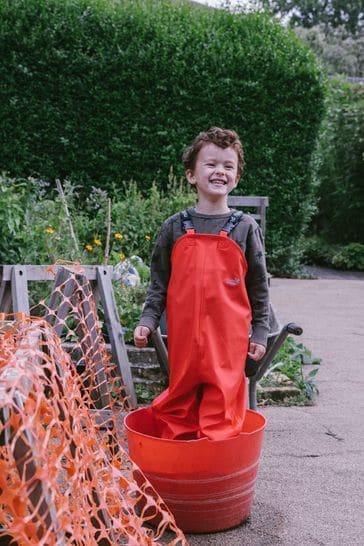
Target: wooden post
column 119, row 354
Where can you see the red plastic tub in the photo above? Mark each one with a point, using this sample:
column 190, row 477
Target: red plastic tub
column 208, row 485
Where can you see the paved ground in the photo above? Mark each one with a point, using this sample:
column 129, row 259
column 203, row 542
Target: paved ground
column 310, row 489
column 326, row 273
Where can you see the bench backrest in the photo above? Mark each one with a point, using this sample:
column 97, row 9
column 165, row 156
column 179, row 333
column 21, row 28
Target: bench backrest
column 254, row 205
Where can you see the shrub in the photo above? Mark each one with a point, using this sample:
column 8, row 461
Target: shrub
column 350, row 256
column 130, row 304
column 138, row 217
column 36, row 229
column 317, row 251
column 339, row 163
column 338, row 49
column 103, row 92
column 13, row 198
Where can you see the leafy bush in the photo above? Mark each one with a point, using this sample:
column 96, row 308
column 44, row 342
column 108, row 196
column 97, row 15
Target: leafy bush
column 102, row 92
column 317, row 251
column 337, row 48
column 138, row 217
column 350, row 256
column 339, row 165
column 37, row 230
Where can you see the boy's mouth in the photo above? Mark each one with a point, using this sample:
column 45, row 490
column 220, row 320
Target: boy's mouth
column 218, row 182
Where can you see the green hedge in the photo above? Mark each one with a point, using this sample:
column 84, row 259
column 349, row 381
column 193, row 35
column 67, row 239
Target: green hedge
column 340, row 172
column 101, row 92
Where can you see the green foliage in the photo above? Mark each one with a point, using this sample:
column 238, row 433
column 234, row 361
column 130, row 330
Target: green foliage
column 129, row 301
column 13, row 198
column 290, row 360
column 102, row 92
column 350, row 256
column 339, row 166
column 317, row 251
column 146, row 395
column 309, row 13
column 36, row 229
column 138, row 217
column 339, row 51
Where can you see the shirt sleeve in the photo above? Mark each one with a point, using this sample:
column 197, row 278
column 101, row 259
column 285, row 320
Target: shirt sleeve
column 160, row 270
column 257, row 285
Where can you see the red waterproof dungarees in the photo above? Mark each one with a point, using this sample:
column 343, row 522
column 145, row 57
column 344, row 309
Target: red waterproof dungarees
column 208, row 321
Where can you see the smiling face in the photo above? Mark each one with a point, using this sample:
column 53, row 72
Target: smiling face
column 215, row 173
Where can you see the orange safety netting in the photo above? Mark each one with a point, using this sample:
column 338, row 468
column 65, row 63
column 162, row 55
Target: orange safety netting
column 65, row 474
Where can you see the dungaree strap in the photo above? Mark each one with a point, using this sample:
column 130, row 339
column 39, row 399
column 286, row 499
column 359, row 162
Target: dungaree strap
column 188, row 226
column 232, row 222
column 186, row 221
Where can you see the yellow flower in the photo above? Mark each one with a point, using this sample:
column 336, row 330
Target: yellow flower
column 50, row 230
column 121, row 257
column 97, row 242
column 88, row 247
column 147, row 237
column 119, row 236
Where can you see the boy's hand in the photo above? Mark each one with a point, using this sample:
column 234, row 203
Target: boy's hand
column 256, row 351
column 141, row 334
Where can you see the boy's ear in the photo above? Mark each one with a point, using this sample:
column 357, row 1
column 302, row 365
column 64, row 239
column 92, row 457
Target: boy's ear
column 190, row 177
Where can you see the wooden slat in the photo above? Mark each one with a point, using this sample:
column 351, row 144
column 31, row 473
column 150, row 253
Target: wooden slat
column 5, row 296
column 19, row 290
column 118, row 348
column 248, row 200
column 161, row 350
column 16, row 277
column 63, row 277
column 46, row 272
column 90, row 344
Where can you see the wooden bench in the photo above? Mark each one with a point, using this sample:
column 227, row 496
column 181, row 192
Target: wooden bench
column 255, row 206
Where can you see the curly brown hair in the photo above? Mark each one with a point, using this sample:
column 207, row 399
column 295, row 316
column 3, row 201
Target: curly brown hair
column 224, row 138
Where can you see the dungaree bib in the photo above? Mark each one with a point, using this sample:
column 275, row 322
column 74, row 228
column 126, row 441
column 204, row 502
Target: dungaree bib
column 208, row 322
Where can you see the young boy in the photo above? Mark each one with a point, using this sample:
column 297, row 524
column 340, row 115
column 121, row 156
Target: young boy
column 208, row 269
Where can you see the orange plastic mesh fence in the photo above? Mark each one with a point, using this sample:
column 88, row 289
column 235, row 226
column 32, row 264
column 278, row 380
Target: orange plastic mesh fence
column 65, row 474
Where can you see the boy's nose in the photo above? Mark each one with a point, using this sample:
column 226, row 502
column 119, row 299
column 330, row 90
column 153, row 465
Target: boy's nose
column 219, row 170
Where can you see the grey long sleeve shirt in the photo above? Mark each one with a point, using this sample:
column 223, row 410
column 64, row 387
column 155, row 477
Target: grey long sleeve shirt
column 247, row 234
